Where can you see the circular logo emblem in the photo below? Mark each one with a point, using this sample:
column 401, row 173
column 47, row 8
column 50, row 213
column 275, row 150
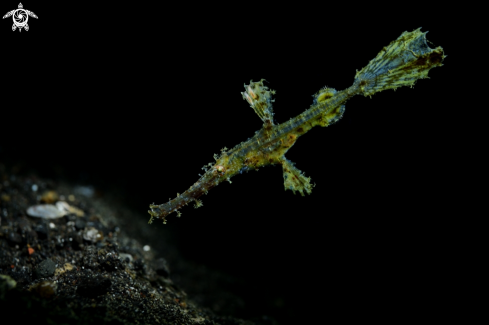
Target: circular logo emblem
column 20, row 17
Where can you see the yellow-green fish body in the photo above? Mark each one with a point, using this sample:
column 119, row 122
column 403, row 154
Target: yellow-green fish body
column 401, row 63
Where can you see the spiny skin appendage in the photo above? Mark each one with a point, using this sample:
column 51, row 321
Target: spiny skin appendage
column 401, row 63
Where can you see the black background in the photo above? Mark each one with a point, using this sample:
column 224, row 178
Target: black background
column 140, row 96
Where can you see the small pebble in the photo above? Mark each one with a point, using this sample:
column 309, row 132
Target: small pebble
column 49, row 197
column 61, row 270
column 7, row 282
column 45, row 289
column 87, row 191
column 80, row 224
column 92, row 234
column 125, row 257
column 45, row 269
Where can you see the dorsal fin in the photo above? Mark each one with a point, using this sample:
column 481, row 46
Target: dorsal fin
column 260, row 99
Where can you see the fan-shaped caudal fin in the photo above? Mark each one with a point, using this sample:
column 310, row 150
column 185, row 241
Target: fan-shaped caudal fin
column 294, row 180
column 401, row 63
column 260, row 99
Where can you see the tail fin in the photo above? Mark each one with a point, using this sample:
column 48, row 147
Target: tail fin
column 399, row 64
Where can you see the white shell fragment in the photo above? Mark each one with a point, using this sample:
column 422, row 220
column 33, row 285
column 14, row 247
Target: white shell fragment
column 45, row 211
column 65, row 207
column 50, row 211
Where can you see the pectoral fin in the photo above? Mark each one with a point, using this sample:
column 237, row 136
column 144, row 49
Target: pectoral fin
column 294, row 179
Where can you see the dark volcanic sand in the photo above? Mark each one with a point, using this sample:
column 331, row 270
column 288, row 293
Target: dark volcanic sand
column 96, row 268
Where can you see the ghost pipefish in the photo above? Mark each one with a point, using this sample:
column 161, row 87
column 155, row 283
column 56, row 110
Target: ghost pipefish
column 401, row 63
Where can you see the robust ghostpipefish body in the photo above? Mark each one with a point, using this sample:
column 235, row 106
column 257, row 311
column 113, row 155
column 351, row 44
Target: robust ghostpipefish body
column 401, row 63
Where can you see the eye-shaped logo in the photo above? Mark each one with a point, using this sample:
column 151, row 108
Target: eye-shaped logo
column 20, row 17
